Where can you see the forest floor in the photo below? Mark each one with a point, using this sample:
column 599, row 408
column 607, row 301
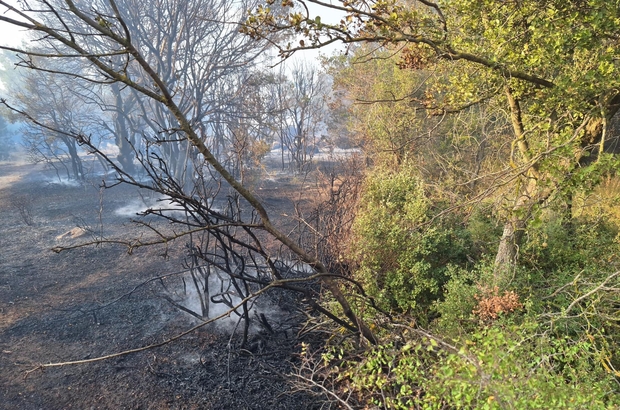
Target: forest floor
column 99, row 300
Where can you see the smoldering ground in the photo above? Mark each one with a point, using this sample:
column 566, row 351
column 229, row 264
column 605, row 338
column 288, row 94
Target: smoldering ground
column 98, row 300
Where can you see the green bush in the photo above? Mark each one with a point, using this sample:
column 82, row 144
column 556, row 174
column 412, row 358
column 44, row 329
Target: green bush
column 559, row 351
column 502, row 366
column 556, row 243
column 402, row 260
column 570, row 271
column 455, row 310
column 484, row 230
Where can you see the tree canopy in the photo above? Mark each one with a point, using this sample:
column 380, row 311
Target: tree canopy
column 553, row 65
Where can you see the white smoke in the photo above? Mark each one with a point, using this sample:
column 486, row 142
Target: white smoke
column 186, row 295
column 163, row 203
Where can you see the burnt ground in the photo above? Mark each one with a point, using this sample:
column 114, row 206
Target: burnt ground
column 95, row 301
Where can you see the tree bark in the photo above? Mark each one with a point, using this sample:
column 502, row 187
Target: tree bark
column 122, row 139
column 508, row 250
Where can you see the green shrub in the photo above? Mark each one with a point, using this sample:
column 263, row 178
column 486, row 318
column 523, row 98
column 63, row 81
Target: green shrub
column 455, row 310
column 402, row 260
column 571, row 273
column 552, row 344
column 502, row 366
column 484, row 230
column 456, row 307
column 558, row 244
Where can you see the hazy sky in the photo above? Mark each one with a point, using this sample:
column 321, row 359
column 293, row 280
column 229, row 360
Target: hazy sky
column 9, row 35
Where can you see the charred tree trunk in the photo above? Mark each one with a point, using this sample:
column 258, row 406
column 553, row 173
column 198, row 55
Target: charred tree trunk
column 121, row 138
column 76, row 161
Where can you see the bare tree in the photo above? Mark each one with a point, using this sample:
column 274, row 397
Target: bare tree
column 198, row 52
column 52, row 102
column 304, row 100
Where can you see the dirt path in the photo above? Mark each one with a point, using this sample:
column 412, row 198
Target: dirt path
column 77, row 305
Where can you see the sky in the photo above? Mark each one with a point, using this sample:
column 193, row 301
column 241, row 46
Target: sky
column 10, row 35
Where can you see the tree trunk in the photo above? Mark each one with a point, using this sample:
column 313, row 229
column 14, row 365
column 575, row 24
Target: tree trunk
column 122, row 139
column 508, row 250
column 514, row 229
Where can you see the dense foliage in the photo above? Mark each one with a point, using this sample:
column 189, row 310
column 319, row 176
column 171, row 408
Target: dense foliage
column 402, row 258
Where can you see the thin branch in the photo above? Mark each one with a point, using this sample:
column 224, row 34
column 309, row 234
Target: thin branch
column 591, row 292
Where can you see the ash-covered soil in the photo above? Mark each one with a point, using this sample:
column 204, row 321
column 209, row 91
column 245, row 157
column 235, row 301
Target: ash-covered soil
column 96, row 301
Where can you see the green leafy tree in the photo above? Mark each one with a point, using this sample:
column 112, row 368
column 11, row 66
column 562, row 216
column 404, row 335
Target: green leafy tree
column 546, row 72
column 553, row 66
column 454, row 154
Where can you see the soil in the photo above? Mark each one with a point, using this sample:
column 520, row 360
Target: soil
column 94, row 301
